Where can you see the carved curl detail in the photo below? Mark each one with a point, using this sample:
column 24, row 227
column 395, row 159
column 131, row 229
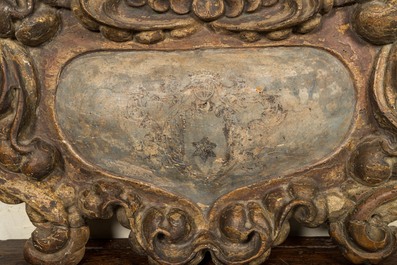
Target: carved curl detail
column 385, row 87
column 241, row 232
column 246, row 230
column 176, row 231
column 373, row 161
column 33, row 22
column 363, row 234
column 19, row 97
column 59, row 237
column 235, row 230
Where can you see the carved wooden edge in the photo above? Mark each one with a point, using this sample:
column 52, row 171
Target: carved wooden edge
column 32, row 22
column 242, row 226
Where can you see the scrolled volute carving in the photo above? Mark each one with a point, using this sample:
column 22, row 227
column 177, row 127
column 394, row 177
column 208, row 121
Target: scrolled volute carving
column 384, row 92
column 34, row 22
column 245, row 231
column 102, row 198
column 241, row 226
column 168, row 234
column 363, row 234
column 24, row 157
column 176, row 231
column 20, row 151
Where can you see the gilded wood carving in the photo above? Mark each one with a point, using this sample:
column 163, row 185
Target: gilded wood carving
column 203, row 125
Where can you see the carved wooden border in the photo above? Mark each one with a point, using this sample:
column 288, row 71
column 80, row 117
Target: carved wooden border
column 241, row 227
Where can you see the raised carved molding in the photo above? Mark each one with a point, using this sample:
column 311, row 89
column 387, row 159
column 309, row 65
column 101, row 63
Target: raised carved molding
column 353, row 190
column 275, row 19
column 33, row 22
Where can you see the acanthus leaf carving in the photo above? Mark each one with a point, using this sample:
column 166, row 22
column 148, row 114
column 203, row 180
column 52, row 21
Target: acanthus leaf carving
column 243, row 231
column 175, row 231
column 25, row 158
column 152, row 21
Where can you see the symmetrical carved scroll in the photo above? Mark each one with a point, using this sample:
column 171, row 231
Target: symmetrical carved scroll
column 175, row 231
column 153, row 20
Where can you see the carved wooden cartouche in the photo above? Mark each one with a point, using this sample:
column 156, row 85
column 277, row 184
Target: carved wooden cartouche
column 203, row 125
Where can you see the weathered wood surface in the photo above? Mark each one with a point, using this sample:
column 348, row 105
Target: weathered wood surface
column 352, row 189
column 295, row 251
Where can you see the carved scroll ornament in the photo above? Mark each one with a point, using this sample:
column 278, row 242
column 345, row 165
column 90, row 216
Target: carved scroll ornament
column 352, row 189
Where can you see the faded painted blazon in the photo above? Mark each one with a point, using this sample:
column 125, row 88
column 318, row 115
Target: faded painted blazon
column 202, row 121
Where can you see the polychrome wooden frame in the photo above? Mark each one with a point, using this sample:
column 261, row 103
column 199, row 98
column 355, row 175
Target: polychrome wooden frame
column 353, row 190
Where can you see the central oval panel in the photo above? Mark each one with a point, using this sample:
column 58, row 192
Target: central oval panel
column 205, row 122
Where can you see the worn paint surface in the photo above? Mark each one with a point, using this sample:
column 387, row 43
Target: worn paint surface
column 351, row 189
column 202, row 122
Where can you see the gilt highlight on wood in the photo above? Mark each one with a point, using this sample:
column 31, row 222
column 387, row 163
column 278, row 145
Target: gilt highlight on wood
column 203, row 125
